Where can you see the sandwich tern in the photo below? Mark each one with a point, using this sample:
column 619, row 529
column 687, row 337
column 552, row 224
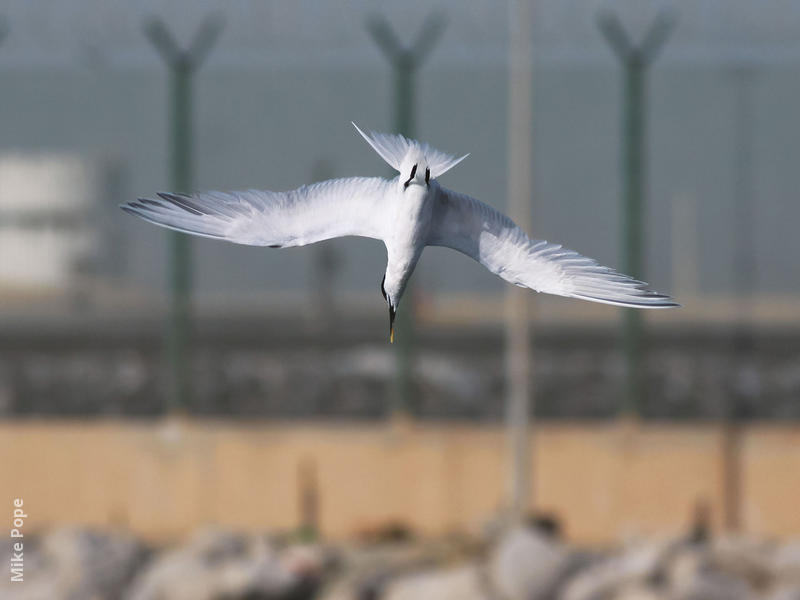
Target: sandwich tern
column 407, row 213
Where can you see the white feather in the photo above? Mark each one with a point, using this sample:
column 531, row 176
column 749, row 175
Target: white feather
column 491, row 238
column 309, row 214
column 394, row 148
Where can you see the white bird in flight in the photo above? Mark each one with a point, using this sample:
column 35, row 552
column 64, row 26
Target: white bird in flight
column 407, row 213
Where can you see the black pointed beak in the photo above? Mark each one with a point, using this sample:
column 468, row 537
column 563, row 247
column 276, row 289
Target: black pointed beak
column 392, row 313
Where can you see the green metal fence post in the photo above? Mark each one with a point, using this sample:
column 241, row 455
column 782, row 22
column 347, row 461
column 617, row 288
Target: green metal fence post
column 182, row 64
column 405, row 61
column 635, row 59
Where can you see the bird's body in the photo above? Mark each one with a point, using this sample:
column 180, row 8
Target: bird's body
column 407, row 213
column 411, row 211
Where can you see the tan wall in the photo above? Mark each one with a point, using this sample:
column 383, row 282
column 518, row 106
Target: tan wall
column 604, row 480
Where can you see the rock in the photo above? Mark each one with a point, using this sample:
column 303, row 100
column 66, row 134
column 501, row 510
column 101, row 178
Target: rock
column 76, row 564
column 460, row 583
column 637, row 591
column 698, row 573
column 528, row 565
column 684, row 566
column 785, row 563
column 714, row 586
column 219, row 565
column 747, row 559
column 370, row 569
column 784, row 592
column 635, row 567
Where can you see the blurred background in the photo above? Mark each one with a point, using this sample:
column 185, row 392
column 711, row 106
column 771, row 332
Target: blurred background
column 195, row 419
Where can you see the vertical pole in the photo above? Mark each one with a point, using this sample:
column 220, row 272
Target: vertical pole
column 518, row 352
column 405, row 62
column 684, row 238
column 3, row 29
column 744, row 193
column 182, row 64
column 3, row 33
column 744, row 268
column 635, row 60
column 308, row 500
column 180, row 274
column 322, row 313
column 633, row 112
column 404, row 94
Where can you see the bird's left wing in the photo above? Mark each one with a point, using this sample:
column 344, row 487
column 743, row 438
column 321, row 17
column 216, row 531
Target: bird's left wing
column 309, row 214
column 491, row 238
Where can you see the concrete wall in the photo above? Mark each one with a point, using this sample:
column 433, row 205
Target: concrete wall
column 603, row 480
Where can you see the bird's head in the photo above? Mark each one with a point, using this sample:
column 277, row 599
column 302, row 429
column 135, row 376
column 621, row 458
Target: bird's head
column 414, row 170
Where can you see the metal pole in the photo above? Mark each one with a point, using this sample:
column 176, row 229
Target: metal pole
column 3, row 30
column 745, row 270
column 744, row 194
column 182, row 65
column 178, row 343
column 518, row 331
column 405, row 62
column 326, row 264
column 635, row 59
column 404, row 123
column 684, row 238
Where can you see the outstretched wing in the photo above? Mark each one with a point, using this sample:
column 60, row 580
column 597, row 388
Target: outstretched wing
column 309, row 214
column 491, row 238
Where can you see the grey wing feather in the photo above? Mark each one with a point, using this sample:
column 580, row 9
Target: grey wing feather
column 491, row 238
column 312, row 213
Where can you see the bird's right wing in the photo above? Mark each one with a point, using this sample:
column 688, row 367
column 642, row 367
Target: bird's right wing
column 309, row 214
column 491, row 238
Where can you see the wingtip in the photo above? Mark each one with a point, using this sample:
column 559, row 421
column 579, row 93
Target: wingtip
column 660, row 301
column 364, row 135
column 358, row 129
column 170, row 196
column 458, row 160
column 133, row 207
column 664, row 305
column 666, row 301
column 444, row 168
column 654, row 301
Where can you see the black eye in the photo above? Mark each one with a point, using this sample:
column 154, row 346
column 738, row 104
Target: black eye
column 427, row 175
